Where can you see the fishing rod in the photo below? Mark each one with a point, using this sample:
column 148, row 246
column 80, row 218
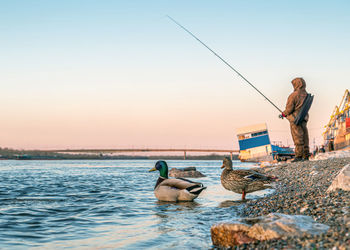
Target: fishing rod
column 189, row 32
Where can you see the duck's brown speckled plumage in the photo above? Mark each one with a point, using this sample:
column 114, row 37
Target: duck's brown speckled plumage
column 243, row 181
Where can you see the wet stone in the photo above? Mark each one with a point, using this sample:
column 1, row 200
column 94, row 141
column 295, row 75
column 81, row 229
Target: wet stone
column 271, row 226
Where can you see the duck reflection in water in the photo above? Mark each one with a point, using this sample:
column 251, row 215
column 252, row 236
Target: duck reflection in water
column 174, row 215
column 179, row 206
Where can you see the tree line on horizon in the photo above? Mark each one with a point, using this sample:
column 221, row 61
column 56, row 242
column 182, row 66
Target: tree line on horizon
column 21, row 154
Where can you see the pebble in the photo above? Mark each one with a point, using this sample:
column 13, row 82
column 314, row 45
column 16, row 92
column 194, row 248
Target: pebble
column 302, row 190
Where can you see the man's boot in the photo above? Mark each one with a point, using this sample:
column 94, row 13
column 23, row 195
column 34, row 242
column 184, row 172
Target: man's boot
column 299, row 150
column 306, row 153
column 296, row 159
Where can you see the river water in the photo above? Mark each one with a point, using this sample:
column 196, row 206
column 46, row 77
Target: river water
column 107, row 204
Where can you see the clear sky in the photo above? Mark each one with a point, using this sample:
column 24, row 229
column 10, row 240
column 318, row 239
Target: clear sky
column 101, row 74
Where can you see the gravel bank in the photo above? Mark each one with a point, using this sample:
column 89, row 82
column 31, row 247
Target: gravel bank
column 302, row 190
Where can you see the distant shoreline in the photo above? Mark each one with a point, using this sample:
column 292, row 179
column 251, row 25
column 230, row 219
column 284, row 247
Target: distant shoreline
column 12, row 154
column 209, row 157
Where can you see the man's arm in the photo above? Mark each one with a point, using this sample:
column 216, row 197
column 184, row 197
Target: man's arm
column 290, row 106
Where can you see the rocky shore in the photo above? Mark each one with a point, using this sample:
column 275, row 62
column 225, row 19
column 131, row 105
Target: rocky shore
column 302, row 190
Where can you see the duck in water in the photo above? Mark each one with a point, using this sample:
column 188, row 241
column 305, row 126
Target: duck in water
column 177, row 189
column 243, row 181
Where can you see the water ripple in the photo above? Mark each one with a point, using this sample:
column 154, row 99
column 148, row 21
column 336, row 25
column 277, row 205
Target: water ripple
column 105, row 204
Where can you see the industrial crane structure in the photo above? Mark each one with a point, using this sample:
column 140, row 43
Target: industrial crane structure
column 337, row 133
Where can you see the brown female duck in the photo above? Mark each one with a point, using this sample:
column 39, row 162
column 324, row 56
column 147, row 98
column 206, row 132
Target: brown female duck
column 243, row 181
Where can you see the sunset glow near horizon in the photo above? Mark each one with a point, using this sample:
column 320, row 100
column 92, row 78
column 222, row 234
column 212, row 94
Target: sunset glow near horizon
column 119, row 74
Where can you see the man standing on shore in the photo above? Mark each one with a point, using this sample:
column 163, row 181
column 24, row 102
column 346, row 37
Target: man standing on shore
column 299, row 132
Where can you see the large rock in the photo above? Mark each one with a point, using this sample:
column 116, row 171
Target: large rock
column 342, row 181
column 271, row 226
column 185, row 172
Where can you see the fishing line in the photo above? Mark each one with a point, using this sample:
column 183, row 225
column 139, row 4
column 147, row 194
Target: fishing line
column 189, row 32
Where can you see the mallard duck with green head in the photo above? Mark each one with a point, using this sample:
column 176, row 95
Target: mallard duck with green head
column 176, row 189
column 243, row 181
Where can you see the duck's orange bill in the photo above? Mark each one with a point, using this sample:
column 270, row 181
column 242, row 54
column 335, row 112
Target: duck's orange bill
column 152, row 169
column 222, row 166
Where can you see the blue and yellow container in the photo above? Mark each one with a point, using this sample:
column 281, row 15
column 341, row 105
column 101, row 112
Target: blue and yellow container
column 255, row 145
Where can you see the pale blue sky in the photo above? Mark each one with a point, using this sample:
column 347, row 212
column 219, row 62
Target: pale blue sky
column 119, row 73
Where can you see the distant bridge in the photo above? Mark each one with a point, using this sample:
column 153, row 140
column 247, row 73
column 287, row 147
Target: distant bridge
column 127, row 150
